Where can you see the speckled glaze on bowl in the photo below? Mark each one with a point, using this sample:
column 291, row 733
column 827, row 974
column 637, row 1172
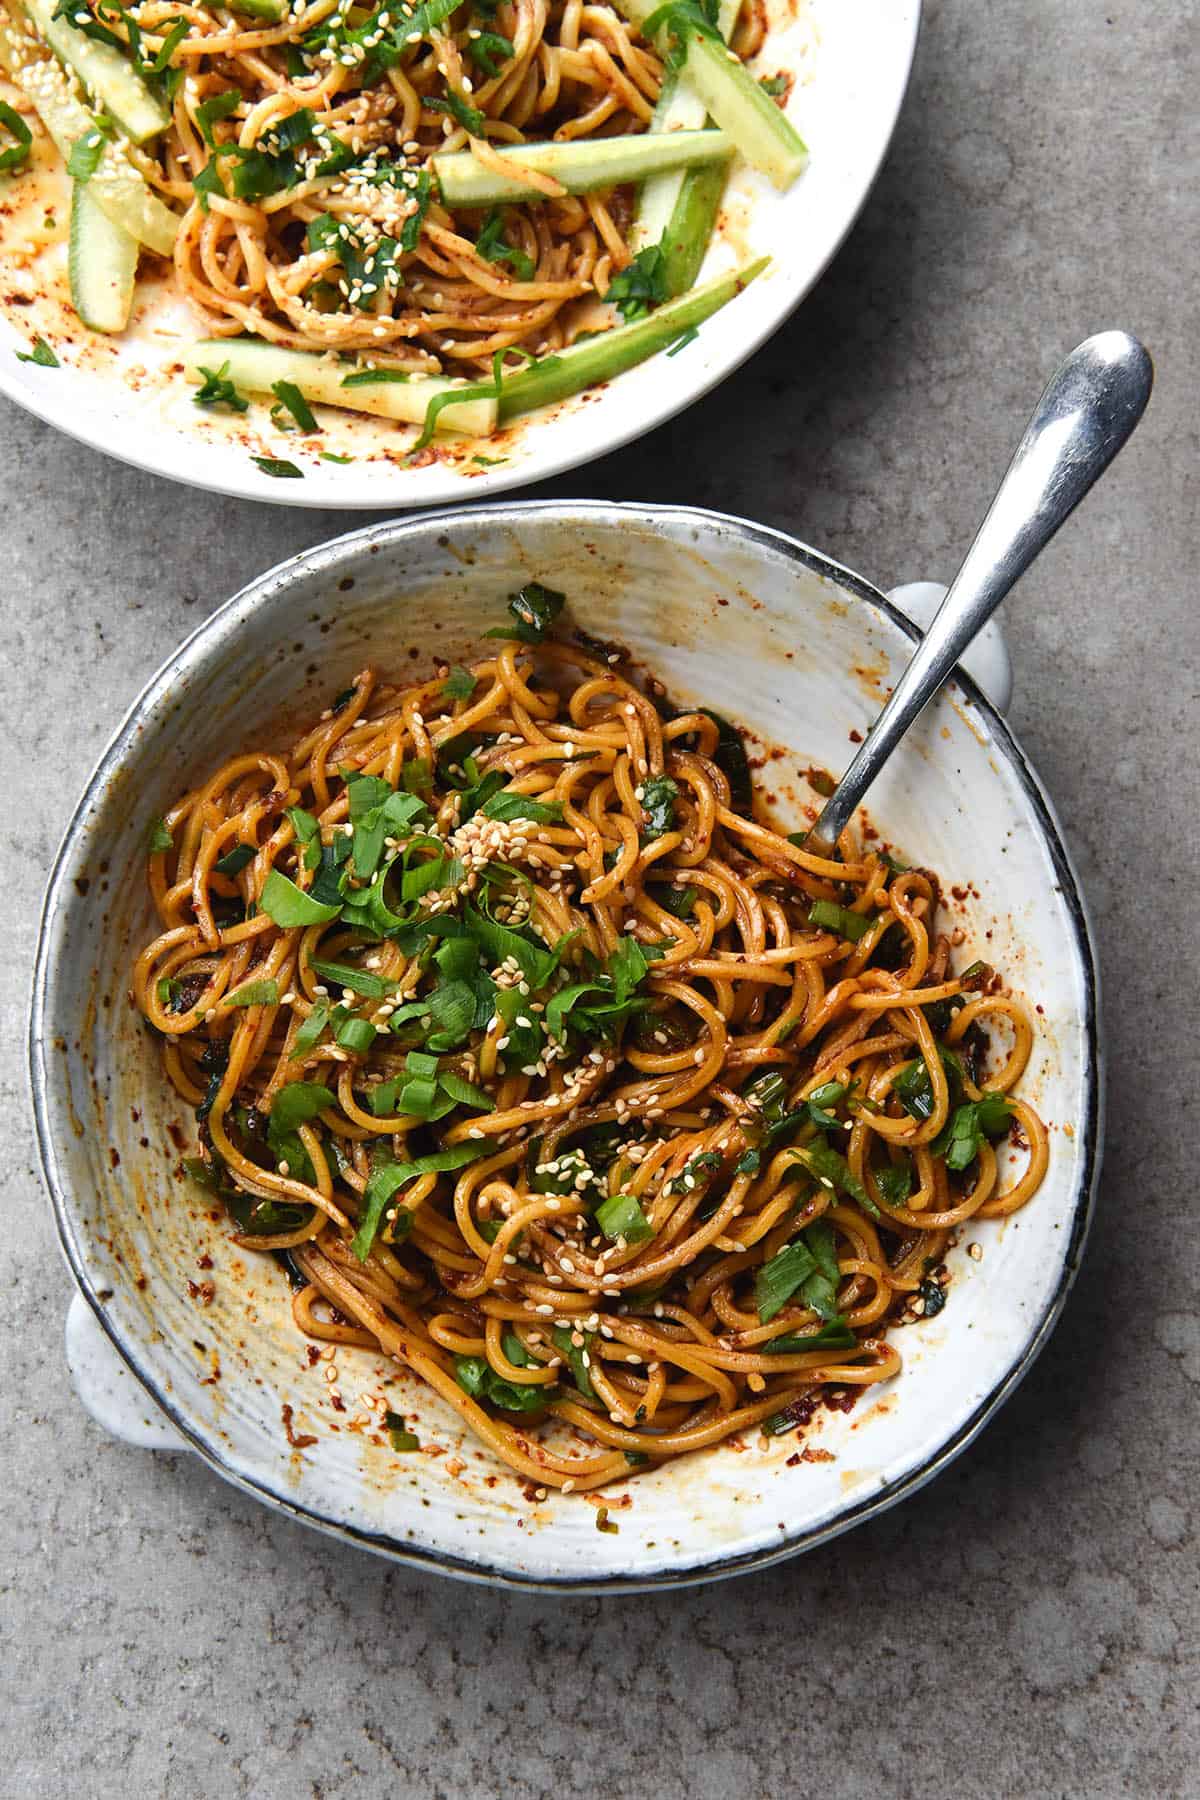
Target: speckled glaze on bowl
column 794, row 648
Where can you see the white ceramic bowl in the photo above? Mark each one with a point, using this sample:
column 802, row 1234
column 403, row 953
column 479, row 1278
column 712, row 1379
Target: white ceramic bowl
column 128, row 396
column 770, row 634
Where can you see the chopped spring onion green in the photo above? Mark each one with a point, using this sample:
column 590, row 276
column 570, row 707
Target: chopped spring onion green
column 620, row 1216
column 255, row 993
column 289, row 906
column 832, row 917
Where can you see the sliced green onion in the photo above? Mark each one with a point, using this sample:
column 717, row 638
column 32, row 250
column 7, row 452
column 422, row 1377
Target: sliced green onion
column 620, row 1216
column 832, row 917
column 289, row 906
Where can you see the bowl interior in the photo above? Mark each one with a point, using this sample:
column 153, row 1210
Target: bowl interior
column 127, row 395
column 790, row 647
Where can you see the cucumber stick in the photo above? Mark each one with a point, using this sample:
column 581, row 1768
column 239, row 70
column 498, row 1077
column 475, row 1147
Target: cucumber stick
column 612, row 352
column 733, row 100
column 580, row 166
column 257, row 366
column 101, row 264
column 679, row 108
column 684, row 242
column 106, row 73
column 116, row 184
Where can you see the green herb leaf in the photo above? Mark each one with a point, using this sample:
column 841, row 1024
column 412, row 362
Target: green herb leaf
column 658, row 798
column 290, row 397
column 460, row 110
column 493, row 246
column 460, row 684
column 778, row 1279
column 837, row 1335
column 534, row 610
column 832, row 917
column 485, row 48
column 158, row 838
column 255, row 993
column 274, row 465
column 41, row 354
column 387, row 1176
column 85, row 156
column 962, row 1136
column 507, row 806
column 18, row 151
column 351, row 1031
column 235, row 860
column 218, row 390
column 914, row 1090
column 289, row 906
column 310, row 1032
column 399, row 1436
column 730, row 757
column 477, row 1378
column 359, row 981
column 218, row 106
column 620, row 1216
column 643, row 285
column 563, row 1340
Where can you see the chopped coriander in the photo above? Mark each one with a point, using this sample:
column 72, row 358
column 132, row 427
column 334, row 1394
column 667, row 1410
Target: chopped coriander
column 658, row 797
column 158, row 838
column 460, row 684
column 641, row 286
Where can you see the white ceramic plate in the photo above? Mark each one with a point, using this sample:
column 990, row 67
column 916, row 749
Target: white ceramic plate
column 128, row 396
column 778, row 639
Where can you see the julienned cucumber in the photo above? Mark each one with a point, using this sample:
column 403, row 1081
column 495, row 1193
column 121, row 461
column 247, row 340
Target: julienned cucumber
column 116, row 184
column 101, row 264
column 269, row 11
column 689, row 230
column 734, row 100
column 765, row 136
column 679, row 108
column 257, row 367
column 105, row 72
column 600, row 358
column 580, row 166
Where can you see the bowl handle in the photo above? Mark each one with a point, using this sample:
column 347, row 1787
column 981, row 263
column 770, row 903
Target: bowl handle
column 987, row 661
column 109, row 1392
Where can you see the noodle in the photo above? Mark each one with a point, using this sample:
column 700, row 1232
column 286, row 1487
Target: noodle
column 608, row 1110
column 351, row 251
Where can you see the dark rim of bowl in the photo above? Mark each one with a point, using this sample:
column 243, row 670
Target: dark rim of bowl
column 1090, row 1136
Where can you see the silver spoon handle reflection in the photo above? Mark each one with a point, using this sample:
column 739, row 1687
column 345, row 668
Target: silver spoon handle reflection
column 1087, row 412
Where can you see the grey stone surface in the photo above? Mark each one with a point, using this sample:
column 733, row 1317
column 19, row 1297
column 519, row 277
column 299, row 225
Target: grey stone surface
column 1028, row 1625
